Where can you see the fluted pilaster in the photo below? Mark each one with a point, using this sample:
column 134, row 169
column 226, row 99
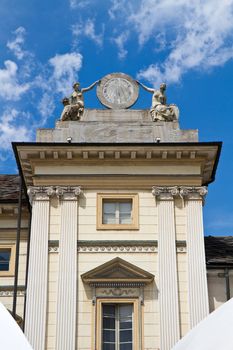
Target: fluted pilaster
column 197, row 280
column 168, row 286
column 67, row 276
column 36, row 307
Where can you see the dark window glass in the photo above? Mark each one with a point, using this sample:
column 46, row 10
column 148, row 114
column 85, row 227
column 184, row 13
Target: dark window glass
column 5, row 259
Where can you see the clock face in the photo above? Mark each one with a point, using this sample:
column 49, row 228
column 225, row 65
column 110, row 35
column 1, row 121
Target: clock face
column 117, row 91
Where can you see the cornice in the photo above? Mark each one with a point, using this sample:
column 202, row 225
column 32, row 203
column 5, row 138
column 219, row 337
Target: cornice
column 206, row 154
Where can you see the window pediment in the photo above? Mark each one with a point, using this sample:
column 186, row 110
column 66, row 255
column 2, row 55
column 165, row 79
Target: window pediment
column 117, row 271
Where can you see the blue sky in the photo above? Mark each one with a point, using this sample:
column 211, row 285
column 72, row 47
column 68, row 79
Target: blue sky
column 46, row 46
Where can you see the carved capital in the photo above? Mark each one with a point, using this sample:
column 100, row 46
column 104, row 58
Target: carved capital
column 192, row 193
column 68, row 192
column 42, row 193
column 165, row 193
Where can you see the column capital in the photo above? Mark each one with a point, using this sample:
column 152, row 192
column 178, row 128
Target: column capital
column 165, row 192
column 193, row 193
column 68, row 192
column 40, row 193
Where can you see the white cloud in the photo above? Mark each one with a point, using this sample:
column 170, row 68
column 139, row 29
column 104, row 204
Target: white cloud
column 66, row 68
column 16, row 44
column 195, row 35
column 14, row 126
column 46, row 107
column 88, row 30
column 11, row 89
column 120, row 41
column 118, row 8
column 79, row 4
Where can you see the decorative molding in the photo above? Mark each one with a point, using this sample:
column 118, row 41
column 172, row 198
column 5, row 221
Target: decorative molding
column 68, row 192
column 117, row 284
column 165, row 193
column 118, row 292
column 54, row 249
column 184, row 192
column 192, row 193
column 43, row 193
column 117, row 246
column 8, row 291
column 117, row 249
column 40, row 193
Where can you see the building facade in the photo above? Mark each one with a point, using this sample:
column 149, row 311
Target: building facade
column 115, row 242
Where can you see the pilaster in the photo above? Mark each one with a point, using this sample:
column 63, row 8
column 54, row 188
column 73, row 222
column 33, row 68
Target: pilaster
column 197, row 281
column 36, row 307
column 67, row 275
column 168, row 286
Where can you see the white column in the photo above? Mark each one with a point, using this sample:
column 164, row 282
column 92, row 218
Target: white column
column 168, row 286
column 197, row 279
column 36, row 302
column 67, row 275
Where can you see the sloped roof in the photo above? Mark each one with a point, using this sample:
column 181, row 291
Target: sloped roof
column 219, row 250
column 9, row 187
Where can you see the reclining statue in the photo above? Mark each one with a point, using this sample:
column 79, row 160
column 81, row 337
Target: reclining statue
column 160, row 111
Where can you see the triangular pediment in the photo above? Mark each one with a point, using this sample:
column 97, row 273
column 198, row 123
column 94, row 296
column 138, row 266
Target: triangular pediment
column 117, row 271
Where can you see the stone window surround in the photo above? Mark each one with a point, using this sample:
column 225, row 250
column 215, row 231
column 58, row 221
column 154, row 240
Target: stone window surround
column 117, row 197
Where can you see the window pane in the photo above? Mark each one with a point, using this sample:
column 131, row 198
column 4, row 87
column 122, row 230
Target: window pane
column 128, row 346
column 108, row 336
column 109, row 212
column 109, row 219
column 5, row 260
column 125, row 209
column 109, row 207
column 108, row 346
column 126, row 311
column 126, row 336
column 109, row 324
column 109, row 310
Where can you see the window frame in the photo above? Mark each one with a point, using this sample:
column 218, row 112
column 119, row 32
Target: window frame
column 12, row 247
column 99, row 325
column 116, row 197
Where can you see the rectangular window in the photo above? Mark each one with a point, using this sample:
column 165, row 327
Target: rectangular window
column 117, row 327
column 116, row 211
column 7, row 259
column 117, row 324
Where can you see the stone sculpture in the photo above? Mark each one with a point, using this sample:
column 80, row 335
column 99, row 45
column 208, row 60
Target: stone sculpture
column 160, row 111
column 74, row 106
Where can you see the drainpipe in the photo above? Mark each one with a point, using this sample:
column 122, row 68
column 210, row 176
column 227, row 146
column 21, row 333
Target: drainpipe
column 17, row 248
column 227, row 280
